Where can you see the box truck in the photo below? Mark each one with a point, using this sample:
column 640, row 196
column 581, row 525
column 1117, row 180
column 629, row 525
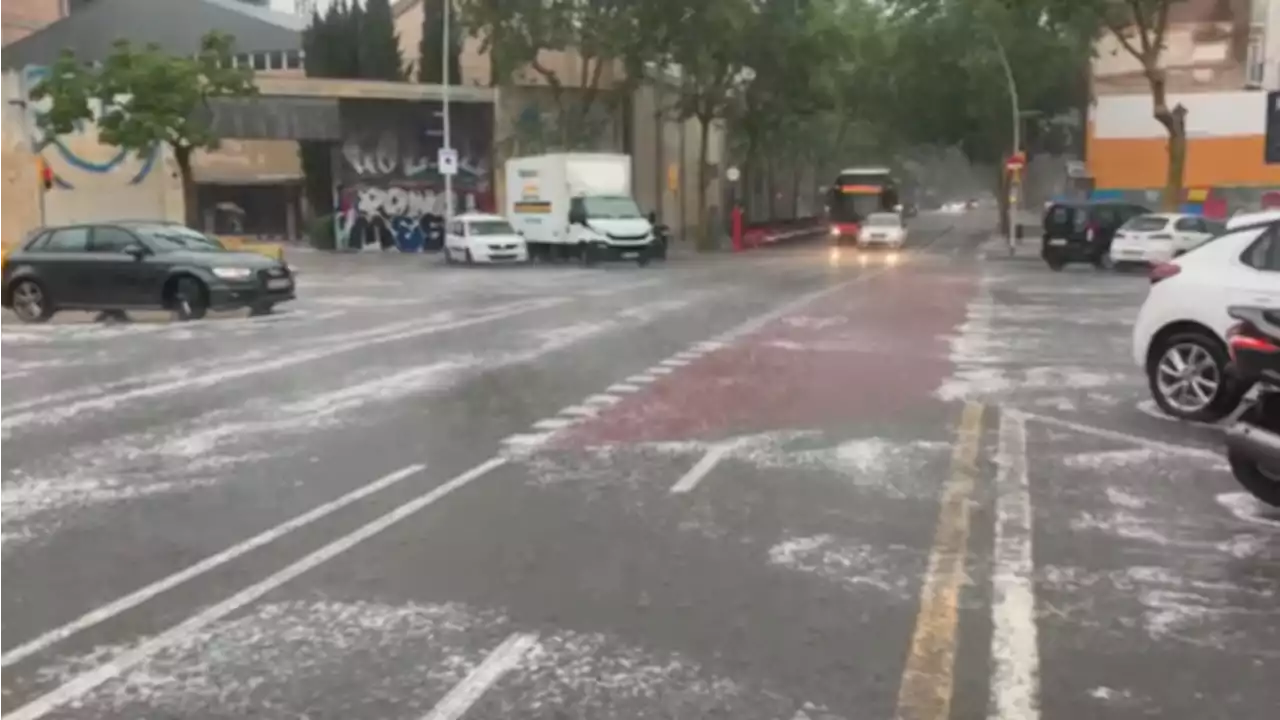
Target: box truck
column 578, row 206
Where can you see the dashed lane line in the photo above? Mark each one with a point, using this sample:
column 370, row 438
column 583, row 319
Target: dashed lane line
column 501, row 661
column 700, row 470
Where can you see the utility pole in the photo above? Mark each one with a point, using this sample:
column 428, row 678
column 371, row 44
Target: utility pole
column 1016, row 118
column 447, row 141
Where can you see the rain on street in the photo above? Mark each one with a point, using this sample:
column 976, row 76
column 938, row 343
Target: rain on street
column 770, row 486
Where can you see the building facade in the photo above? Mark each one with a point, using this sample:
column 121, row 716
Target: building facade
column 1221, row 57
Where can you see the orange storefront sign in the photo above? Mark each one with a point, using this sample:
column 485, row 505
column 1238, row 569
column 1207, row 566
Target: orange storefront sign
column 1129, row 163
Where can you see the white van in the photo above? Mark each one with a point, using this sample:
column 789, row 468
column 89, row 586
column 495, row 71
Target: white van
column 578, row 206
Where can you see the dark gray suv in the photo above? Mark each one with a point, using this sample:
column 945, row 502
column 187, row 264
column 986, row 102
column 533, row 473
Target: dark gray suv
column 138, row 266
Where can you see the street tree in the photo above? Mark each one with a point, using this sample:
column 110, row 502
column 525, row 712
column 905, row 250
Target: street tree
column 705, row 49
column 1140, row 27
column 430, row 58
column 379, row 46
column 602, row 37
column 144, row 98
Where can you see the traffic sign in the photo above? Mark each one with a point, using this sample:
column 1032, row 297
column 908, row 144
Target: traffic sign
column 1017, row 161
column 733, row 173
column 447, row 161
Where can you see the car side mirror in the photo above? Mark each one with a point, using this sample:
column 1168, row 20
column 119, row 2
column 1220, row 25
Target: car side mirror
column 137, row 250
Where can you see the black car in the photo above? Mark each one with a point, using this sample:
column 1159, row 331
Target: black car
column 138, row 266
column 1082, row 231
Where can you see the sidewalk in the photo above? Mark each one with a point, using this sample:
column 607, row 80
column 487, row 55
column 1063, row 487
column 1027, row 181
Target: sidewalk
column 997, row 248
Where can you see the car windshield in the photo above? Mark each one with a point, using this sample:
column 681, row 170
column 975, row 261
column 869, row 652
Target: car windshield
column 1146, row 223
column 884, row 220
column 609, row 207
column 176, row 238
column 491, row 227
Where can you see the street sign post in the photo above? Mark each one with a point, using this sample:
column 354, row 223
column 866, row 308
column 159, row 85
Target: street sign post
column 447, row 161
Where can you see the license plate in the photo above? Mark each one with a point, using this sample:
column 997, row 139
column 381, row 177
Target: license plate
column 279, row 284
column 1057, row 242
column 629, row 255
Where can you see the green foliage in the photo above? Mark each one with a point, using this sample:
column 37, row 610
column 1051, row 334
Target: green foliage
column 321, row 233
column 145, row 97
column 353, row 41
column 430, row 58
column 378, row 51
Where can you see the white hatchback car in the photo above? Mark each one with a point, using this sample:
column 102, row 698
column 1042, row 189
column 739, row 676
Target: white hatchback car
column 483, row 238
column 884, row 228
column 1179, row 338
column 1160, row 237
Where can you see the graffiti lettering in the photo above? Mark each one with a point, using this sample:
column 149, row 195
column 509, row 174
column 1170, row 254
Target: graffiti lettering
column 408, row 219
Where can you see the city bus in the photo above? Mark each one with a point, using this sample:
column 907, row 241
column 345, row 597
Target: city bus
column 856, row 193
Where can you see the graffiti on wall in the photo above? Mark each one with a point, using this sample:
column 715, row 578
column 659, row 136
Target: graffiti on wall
column 68, row 162
column 398, row 217
column 390, row 193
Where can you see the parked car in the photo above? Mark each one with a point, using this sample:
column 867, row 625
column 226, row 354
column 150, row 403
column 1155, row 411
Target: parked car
column 1146, row 240
column 1180, row 336
column 1082, row 231
column 482, row 238
column 1253, row 443
column 138, row 266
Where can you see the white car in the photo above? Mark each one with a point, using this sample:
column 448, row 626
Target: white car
column 1159, row 237
column 482, row 238
column 885, row 229
column 1179, row 338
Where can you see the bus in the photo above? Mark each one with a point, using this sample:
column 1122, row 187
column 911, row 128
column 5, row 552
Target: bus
column 856, row 193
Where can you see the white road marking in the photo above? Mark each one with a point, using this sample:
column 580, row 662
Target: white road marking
column 501, row 661
column 642, row 378
column 1015, row 651
column 580, row 411
column 526, row 439
column 602, row 400
column 688, row 355
column 116, row 666
column 136, row 598
column 660, row 370
column 1123, row 437
column 700, row 470
column 708, row 346
column 674, row 362
column 553, row 424
column 211, row 379
column 622, row 387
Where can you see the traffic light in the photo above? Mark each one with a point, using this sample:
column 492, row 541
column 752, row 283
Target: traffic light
column 46, row 173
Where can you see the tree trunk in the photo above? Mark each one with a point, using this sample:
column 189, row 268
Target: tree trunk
column 190, row 198
column 1174, row 121
column 705, row 241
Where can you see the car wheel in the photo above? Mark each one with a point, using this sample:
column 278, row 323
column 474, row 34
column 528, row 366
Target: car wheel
column 470, row 259
column 30, row 302
column 190, row 299
column 643, row 258
column 448, row 256
column 1190, row 378
column 1055, row 264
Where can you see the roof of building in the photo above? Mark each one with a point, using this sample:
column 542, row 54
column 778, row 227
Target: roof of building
column 177, row 26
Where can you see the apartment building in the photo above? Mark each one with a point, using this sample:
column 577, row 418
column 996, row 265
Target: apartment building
column 1221, row 57
column 24, row 17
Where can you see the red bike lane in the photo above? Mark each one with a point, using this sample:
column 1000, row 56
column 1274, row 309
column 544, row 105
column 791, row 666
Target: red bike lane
column 876, row 348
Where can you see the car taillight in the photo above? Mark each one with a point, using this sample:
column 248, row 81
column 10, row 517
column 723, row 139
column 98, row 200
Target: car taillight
column 1245, row 337
column 1163, row 271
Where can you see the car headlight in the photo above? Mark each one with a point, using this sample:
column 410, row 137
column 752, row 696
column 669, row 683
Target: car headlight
column 233, row 273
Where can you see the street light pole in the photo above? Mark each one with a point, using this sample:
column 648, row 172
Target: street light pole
column 1016, row 118
column 444, row 94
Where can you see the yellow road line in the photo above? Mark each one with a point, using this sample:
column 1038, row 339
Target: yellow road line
column 927, row 679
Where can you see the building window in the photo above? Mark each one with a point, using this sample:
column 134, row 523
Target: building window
column 1255, row 66
column 294, row 60
column 259, row 61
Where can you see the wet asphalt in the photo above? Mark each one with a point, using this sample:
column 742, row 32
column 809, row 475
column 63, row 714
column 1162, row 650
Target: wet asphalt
column 778, row 485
